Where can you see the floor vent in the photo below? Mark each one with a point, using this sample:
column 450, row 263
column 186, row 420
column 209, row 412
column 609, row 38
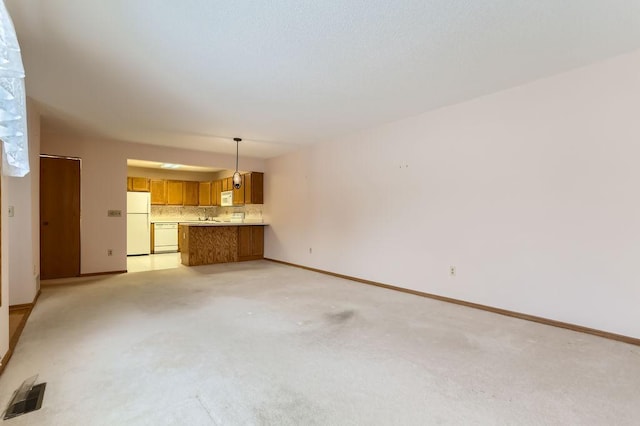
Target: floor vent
column 27, row 398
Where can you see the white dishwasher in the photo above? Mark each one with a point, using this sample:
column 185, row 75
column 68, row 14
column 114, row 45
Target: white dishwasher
column 165, row 237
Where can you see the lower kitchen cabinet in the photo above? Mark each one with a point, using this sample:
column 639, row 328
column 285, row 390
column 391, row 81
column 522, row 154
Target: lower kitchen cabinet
column 250, row 242
column 203, row 245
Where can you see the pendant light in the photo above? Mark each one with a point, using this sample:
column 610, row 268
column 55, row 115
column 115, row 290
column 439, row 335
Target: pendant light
column 237, row 179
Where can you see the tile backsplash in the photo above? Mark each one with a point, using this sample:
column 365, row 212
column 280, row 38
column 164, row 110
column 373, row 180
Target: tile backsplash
column 251, row 212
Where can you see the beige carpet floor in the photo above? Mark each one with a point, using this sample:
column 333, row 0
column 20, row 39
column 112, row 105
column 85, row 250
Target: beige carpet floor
column 259, row 343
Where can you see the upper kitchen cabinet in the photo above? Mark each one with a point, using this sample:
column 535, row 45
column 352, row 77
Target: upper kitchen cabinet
column 175, row 192
column 137, row 184
column 238, row 194
column 216, row 188
column 226, row 184
column 205, row 193
column 190, row 193
column 253, row 188
column 158, row 191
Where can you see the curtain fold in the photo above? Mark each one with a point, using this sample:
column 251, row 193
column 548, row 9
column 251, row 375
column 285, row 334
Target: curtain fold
column 13, row 105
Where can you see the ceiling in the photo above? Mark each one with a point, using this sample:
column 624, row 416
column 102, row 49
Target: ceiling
column 164, row 166
column 285, row 73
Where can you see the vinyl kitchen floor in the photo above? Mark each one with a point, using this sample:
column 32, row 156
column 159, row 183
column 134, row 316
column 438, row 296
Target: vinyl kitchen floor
column 153, row 262
column 260, row 343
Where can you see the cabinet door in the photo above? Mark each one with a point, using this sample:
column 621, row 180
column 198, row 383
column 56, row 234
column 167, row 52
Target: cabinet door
column 140, row 184
column 204, row 193
column 216, row 188
column 190, row 193
column 257, row 241
column 158, row 192
column 244, row 241
column 175, row 189
column 253, row 191
column 238, row 194
column 250, row 242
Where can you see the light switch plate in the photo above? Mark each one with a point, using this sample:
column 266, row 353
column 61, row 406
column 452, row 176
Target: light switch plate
column 11, row 211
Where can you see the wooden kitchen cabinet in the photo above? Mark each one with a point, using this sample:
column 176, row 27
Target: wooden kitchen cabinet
column 253, row 188
column 140, row 184
column 158, row 189
column 152, row 240
column 216, row 188
column 175, row 193
column 137, row 184
column 238, row 194
column 250, row 242
column 205, row 193
column 190, row 193
column 226, row 184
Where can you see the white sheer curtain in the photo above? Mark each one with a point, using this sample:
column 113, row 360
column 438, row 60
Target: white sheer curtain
column 13, row 104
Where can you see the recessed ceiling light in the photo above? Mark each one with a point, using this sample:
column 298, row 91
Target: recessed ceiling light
column 170, row 166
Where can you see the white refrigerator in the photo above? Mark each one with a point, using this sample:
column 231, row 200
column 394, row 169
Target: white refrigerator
column 138, row 223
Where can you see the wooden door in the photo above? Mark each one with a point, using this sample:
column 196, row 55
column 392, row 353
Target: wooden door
column 59, row 217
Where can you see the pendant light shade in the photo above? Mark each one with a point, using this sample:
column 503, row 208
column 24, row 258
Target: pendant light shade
column 237, row 179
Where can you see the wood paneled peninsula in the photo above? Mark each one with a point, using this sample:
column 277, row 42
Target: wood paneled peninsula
column 204, row 243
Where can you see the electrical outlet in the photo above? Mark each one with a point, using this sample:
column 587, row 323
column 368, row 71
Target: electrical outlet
column 452, row 271
column 114, row 213
column 109, row 252
column 310, row 250
column 11, row 211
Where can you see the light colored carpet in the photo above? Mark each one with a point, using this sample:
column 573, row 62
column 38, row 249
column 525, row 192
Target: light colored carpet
column 263, row 343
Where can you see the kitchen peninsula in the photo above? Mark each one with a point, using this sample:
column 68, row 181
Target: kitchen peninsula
column 204, row 243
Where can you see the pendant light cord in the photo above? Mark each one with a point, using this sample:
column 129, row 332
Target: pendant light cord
column 237, row 142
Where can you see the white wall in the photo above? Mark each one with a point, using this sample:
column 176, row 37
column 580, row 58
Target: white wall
column 24, row 227
column 4, row 261
column 532, row 193
column 20, row 234
column 103, row 187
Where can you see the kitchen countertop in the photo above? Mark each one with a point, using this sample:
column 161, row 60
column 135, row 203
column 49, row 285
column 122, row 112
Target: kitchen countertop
column 213, row 223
